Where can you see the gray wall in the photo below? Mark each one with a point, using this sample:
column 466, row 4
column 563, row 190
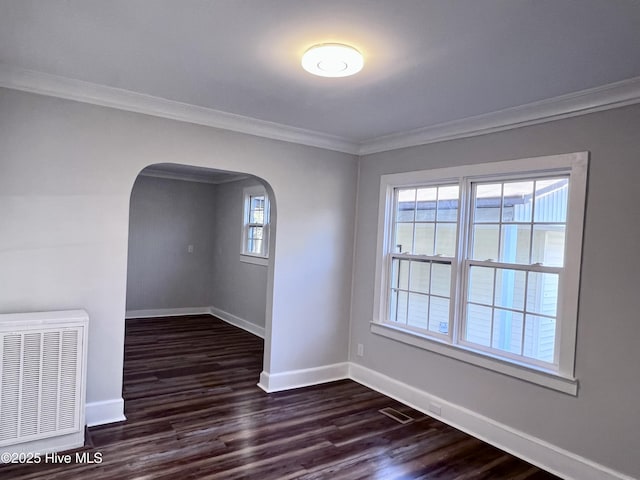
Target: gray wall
column 239, row 288
column 67, row 171
column 166, row 217
column 603, row 422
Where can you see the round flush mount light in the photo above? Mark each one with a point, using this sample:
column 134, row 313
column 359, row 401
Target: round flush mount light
column 332, row 60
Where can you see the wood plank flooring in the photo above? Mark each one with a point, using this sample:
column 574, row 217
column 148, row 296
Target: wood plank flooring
column 194, row 412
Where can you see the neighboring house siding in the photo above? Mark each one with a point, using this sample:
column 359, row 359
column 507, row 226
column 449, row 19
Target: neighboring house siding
column 422, row 311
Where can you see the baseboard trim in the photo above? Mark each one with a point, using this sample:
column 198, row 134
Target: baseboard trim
column 277, row 382
column 216, row 312
column 70, row 441
column 106, row 411
column 237, row 321
column 166, row 312
column 529, row 448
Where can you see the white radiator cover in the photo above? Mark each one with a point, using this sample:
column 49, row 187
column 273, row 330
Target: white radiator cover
column 43, row 358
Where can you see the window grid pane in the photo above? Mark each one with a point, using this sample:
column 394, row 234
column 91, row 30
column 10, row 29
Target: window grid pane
column 504, row 304
column 420, row 294
column 254, row 239
column 426, row 220
column 256, row 209
column 505, row 214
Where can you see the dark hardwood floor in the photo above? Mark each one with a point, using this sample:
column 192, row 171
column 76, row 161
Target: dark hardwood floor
column 194, row 412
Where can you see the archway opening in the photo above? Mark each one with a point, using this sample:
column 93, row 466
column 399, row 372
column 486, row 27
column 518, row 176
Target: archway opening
column 200, row 257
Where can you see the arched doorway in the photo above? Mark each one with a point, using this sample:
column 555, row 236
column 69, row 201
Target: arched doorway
column 201, row 244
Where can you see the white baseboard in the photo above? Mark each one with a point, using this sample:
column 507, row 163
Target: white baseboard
column 43, row 446
column 216, row 312
column 166, row 312
column 237, row 321
column 276, row 382
column 107, row 411
column 531, row 449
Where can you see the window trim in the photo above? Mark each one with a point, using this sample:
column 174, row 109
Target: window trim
column 245, row 255
column 573, row 164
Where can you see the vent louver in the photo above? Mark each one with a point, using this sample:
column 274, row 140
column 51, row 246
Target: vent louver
column 41, row 379
column 396, row 415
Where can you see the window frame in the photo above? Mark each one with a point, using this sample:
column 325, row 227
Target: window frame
column 574, row 165
column 432, row 259
column 246, row 255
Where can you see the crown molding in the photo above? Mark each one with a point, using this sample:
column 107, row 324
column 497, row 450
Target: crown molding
column 96, row 94
column 605, row 97
column 613, row 95
column 192, row 177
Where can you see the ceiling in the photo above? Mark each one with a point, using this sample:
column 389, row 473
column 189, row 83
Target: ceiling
column 427, row 62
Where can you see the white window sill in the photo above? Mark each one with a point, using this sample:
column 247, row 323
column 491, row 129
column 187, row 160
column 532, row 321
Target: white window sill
column 548, row 379
column 254, row 259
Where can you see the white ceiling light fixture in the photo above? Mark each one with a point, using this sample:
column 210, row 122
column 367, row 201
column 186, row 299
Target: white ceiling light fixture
column 332, row 60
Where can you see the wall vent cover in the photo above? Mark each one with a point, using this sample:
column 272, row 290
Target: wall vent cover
column 41, row 381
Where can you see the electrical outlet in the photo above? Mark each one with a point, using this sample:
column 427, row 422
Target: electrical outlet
column 435, row 408
column 190, row 249
column 360, row 350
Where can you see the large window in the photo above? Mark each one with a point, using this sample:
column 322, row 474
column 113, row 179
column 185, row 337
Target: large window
column 255, row 230
column 482, row 263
